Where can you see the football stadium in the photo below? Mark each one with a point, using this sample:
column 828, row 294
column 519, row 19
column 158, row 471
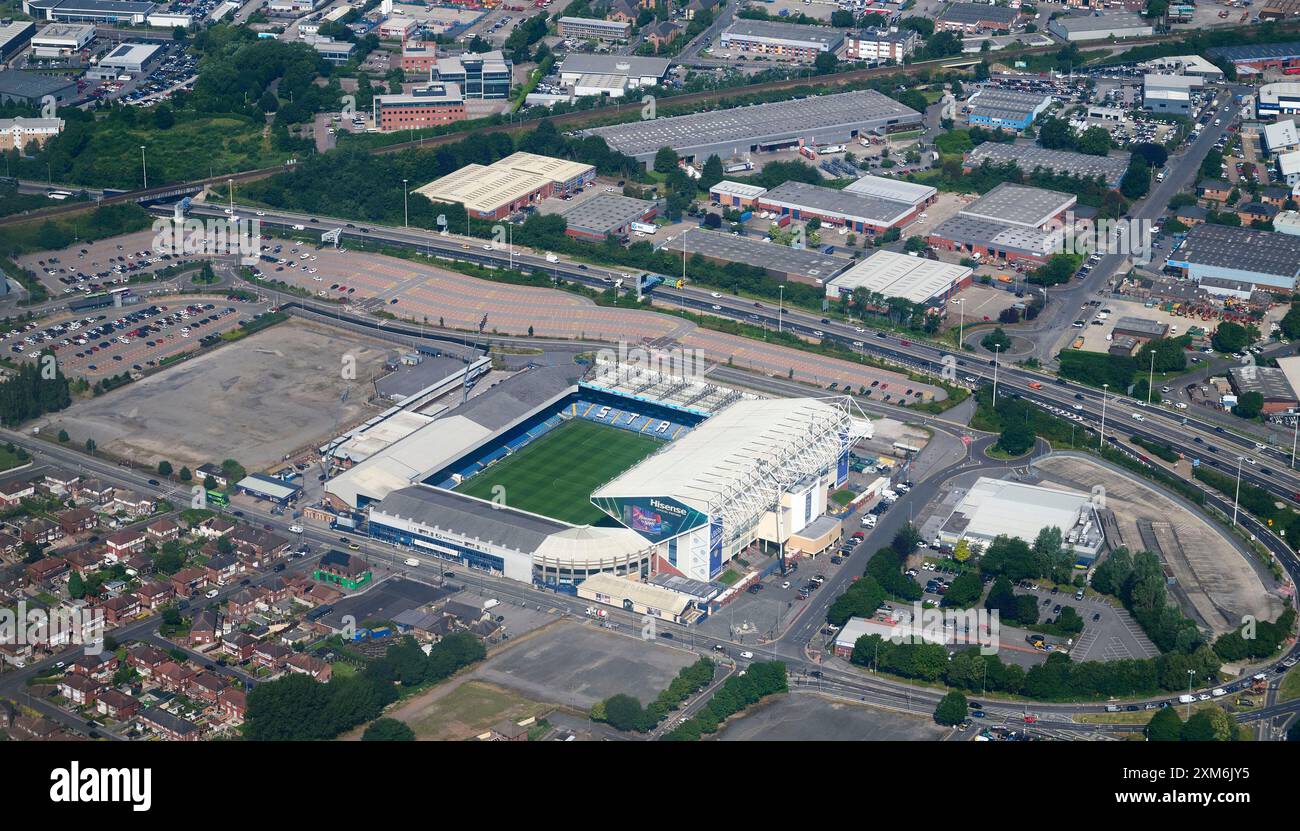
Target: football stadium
column 551, row 478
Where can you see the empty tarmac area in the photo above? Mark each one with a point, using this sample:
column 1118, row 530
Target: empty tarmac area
column 254, row 400
column 807, row 716
column 579, row 664
column 427, row 292
column 1212, row 574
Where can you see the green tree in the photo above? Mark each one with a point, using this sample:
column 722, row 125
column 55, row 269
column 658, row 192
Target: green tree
column 185, row 474
column 388, row 730
column 1016, row 438
column 1230, row 337
column 1165, row 726
column 63, row 437
column 952, row 709
column 164, row 468
column 1209, row 725
column 76, row 586
column 90, row 446
column 665, row 160
column 623, row 712
column 1249, row 405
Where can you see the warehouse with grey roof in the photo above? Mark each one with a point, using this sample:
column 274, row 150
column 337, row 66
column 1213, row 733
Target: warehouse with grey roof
column 1029, row 157
column 859, row 212
column 608, row 214
column 803, row 265
column 840, row 117
column 1232, row 261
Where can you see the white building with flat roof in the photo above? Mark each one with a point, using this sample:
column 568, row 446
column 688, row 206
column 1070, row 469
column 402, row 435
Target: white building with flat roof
column 127, row 59
column 996, row 507
column 58, row 40
column 895, row 189
column 888, row 274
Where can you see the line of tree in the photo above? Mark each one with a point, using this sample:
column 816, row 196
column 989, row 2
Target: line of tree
column 300, row 708
column 28, row 394
column 624, row 712
column 761, row 679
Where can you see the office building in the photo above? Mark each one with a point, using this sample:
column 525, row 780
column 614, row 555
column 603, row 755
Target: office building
column 430, row 106
column 486, row 75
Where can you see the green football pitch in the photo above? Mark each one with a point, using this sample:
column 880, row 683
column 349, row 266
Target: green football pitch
column 555, row 475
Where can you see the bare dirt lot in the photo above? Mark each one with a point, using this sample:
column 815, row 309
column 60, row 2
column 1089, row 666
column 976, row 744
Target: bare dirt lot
column 255, row 400
column 578, row 665
column 806, row 716
column 1214, row 581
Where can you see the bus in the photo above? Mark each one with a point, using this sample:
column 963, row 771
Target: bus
column 216, row 497
column 59, row 195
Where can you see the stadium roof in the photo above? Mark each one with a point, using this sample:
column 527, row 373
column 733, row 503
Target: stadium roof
column 1030, row 156
column 1019, row 205
column 838, row 203
column 730, row 466
column 441, row 442
column 916, row 279
column 491, row 523
column 861, row 110
column 1240, row 249
column 896, row 189
column 589, row 544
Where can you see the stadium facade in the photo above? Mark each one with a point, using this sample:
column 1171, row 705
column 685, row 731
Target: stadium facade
column 727, row 459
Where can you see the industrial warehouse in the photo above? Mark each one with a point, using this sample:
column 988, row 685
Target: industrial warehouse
column 994, row 507
column 1005, row 109
column 1010, row 222
column 856, row 211
column 1031, row 157
column 803, row 265
column 785, row 40
column 915, row 279
column 1235, row 262
column 516, row 182
column 1260, row 57
column 607, row 214
column 691, row 474
column 761, row 127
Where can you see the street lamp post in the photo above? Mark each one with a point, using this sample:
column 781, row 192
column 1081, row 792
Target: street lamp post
column 1151, row 377
column 144, row 169
column 1190, row 674
column 1237, row 493
column 780, row 313
column 406, row 214
column 961, row 321
column 1101, row 440
column 997, row 347
column 1295, row 431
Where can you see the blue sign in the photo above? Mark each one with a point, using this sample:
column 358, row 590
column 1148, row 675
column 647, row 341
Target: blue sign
column 715, row 548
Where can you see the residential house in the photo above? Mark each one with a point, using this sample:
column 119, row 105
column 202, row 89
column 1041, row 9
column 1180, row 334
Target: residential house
column 1215, row 190
column 117, row 705
column 242, row 604
column 206, row 686
column 146, row 659
column 99, row 667
column 204, row 630
column 305, row 664
column 85, row 561
column 623, row 11
column 270, row 655
column 162, row 530
column 662, row 33
column 121, row 608
column 169, row 725
column 9, row 545
column 188, row 581
column 131, row 503
column 240, row 645
column 92, row 492
column 15, row 491
column 233, row 704
column 1275, row 195
column 154, row 596
column 507, row 731
column 342, row 569
column 79, row 689
column 76, row 520
column 257, row 545
column 1256, row 212
column 47, row 569
column 214, row 527
column 174, row 677
column 61, row 483
column 694, row 7
column 1190, row 215
column 39, row 530
column 124, row 543
column 222, row 568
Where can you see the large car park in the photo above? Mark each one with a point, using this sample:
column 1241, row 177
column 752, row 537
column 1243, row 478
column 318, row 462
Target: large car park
column 110, row 342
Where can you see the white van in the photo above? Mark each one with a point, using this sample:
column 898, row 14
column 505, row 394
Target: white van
column 488, row 604
column 412, row 562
